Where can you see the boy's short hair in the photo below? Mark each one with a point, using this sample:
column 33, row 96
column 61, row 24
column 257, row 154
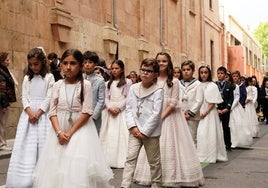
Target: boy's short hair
column 151, row 62
column 236, row 72
column 190, row 63
column 222, row 69
column 92, row 56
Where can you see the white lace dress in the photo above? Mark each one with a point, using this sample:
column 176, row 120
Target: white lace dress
column 80, row 163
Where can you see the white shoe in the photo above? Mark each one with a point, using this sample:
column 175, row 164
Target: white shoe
column 5, row 148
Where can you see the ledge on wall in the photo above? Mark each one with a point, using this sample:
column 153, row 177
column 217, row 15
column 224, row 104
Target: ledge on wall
column 110, row 39
column 61, row 23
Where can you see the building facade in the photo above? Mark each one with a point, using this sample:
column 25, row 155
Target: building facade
column 129, row 29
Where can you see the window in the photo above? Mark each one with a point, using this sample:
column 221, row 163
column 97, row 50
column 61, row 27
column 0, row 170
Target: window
column 210, row 4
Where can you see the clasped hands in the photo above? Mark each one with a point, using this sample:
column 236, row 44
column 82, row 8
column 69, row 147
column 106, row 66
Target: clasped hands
column 114, row 111
column 136, row 133
column 64, row 138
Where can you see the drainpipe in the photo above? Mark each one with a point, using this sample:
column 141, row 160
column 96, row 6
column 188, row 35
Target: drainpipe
column 186, row 29
column 203, row 30
column 115, row 16
column 161, row 26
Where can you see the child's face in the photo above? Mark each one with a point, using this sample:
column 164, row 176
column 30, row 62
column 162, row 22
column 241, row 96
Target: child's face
column 88, row 66
column 227, row 77
column 203, row 72
column 97, row 71
column 187, row 73
column 236, row 78
column 116, row 70
column 70, row 67
column 147, row 74
column 35, row 65
column 177, row 73
column 163, row 62
column 133, row 78
column 221, row 75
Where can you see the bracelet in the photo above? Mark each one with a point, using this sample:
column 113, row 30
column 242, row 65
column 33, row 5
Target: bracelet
column 58, row 133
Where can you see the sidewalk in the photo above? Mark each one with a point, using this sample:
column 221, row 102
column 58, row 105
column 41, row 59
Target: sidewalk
column 247, row 167
column 6, row 154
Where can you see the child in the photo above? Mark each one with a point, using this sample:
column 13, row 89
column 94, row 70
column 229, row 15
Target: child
column 98, row 85
column 241, row 131
column 210, row 142
column 177, row 73
column 180, row 164
column 114, row 133
column 252, row 95
column 134, row 77
column 99, row 70
column 143, row 116
column 226, row 90
column 54, row 63
column 189, row 104
column 72, row 156
column 33, row 124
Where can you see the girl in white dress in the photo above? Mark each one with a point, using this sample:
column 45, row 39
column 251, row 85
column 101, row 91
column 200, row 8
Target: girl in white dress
column 241, row 131
column 210, row 141
column 179, row 160
column 72, row 156
column 33, row 124
column 114, row 132
column 252, row 95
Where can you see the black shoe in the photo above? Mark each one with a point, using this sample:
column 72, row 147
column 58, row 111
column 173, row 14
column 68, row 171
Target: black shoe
column 228, row 149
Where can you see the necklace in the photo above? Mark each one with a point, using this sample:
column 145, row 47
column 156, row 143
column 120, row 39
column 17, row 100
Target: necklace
column 70, row 105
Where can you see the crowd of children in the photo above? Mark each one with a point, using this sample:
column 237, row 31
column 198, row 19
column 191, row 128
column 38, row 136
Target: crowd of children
column 158, row 125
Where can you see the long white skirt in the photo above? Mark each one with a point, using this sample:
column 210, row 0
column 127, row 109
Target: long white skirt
column 79, row 164
column 253, row 119
column 241, row 130
column 29, row 141
column 114, row 138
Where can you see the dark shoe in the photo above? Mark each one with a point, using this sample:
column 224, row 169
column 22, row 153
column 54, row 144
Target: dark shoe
column 228, row 149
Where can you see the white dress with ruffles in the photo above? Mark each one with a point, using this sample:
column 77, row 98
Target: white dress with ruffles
column 80, row 163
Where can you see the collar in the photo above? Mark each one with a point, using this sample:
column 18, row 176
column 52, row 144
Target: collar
column 142, row 92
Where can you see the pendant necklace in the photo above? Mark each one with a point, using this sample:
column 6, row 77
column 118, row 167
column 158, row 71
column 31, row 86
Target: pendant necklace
column 70, row 105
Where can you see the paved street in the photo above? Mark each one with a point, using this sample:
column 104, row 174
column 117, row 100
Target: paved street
column 247, row 167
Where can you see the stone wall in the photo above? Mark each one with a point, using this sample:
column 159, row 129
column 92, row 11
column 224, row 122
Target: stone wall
column 138, row 28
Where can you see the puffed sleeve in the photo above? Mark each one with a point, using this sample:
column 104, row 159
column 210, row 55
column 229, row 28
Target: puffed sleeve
column 54, row 99
column 87, row 107
column 125, row 92
column 25, row 92
column 49, row 84
column 174, row 98
column 212, row 94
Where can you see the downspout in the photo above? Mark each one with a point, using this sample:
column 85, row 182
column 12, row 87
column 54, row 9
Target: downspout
column 115, row 16
column 203, row 30
column 161, row 26
column 186, row 29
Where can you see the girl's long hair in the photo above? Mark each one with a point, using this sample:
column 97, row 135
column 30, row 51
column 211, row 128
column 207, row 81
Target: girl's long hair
column 122, row 80
column 209, row 79
column 39, row 54
column 169, row 68
column 77, row 54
